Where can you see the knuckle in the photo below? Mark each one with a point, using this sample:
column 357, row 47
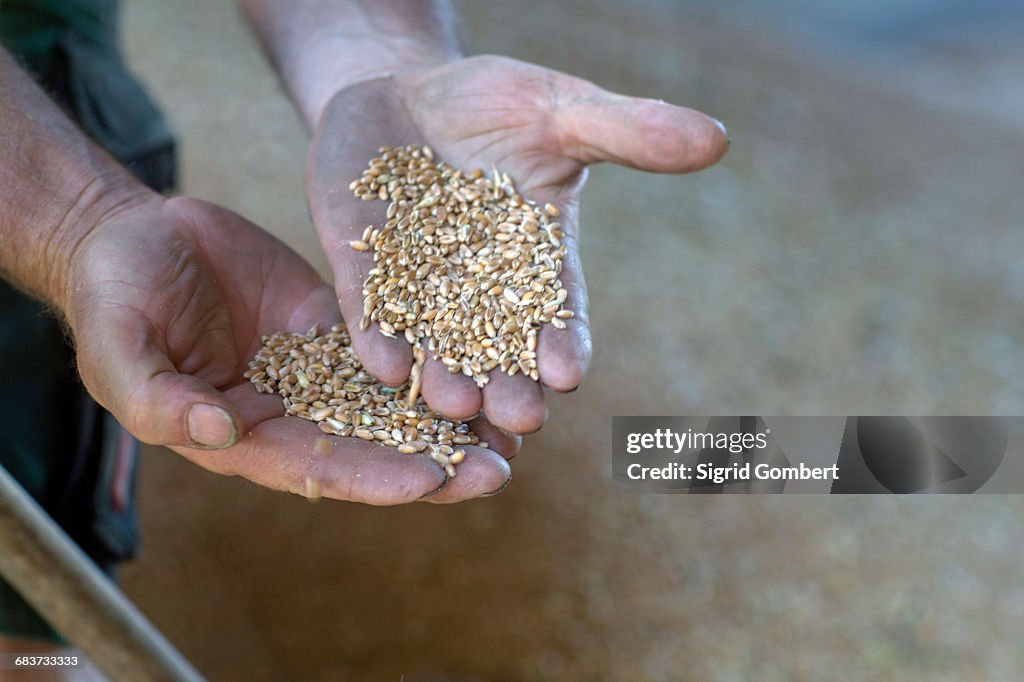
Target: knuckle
column 139, row 419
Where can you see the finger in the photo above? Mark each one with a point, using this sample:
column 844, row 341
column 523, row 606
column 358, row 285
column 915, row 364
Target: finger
column 505, row 444
column 481, row 473
column 338, row 153
column 597, row 125
column 388, row 359
column 515, row 403
column 124, row 367
column 285, row 454
column 253, row 407
column 563, row 355
column 320, row 307
column 293, row 455
column 455, row 396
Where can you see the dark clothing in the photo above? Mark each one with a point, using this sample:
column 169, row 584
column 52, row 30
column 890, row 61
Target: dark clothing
column 71, row 48
column 66, row 451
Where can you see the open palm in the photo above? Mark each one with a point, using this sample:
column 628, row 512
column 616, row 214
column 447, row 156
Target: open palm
column 542, row 128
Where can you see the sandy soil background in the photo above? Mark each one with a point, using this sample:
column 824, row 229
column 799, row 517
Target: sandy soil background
column 856, row 252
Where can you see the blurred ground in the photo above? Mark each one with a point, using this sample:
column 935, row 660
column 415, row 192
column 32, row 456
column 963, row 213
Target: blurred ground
column 856, row 252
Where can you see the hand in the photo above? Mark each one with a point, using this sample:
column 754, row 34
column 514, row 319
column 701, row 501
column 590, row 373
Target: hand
column 167, row 302
column 542, row 128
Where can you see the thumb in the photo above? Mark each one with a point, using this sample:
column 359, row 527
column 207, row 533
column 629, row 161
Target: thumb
column 126, row 370
column 597, row 125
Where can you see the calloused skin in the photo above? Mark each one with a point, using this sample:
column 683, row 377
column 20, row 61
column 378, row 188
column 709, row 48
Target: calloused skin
column 168, row 301
column 541, row 127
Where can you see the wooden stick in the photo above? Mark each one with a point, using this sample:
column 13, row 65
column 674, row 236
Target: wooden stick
column 68, row 590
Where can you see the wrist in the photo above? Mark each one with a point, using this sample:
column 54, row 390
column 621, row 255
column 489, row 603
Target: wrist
column 321, row 47
column 98, row 201
column 410, row 58
column 55, row 186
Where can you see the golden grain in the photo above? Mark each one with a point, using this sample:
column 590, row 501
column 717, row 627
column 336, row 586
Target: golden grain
column 331, row 388
column 312, row 489
column 463, row 265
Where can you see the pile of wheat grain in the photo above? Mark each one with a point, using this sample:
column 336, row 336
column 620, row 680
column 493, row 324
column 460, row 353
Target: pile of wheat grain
column 463, row 264
column 321, row 380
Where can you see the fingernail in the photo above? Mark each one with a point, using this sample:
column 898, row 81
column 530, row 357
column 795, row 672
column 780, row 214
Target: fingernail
column 725, row 131
column 501, row 489
column 563, row 391
column 210, row 426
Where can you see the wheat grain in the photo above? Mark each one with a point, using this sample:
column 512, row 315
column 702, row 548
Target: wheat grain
column 464, row 266
column 331, row 388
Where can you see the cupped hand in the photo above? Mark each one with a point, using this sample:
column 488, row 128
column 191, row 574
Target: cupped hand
column 168, row 302
column 542, row 128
